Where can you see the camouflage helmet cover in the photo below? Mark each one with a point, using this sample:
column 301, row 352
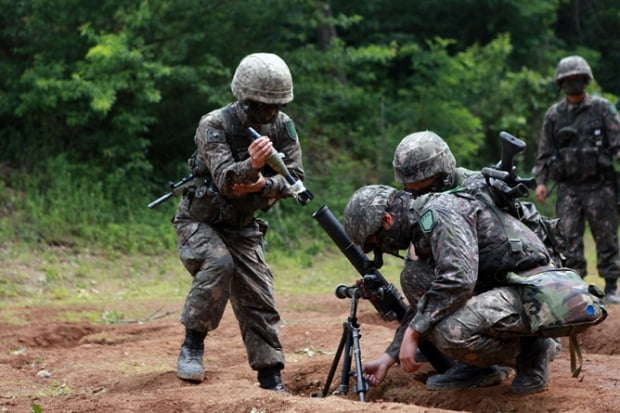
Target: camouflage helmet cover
column 263, row 77
column 364, row 211
column 420, row 156
column 571, row 66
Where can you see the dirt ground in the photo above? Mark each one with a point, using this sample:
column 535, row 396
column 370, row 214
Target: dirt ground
column 52, row 366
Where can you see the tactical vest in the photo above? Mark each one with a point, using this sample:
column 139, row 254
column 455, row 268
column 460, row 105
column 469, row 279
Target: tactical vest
column 511, row 252
column 205, row 202
column 581, row 147
column 548, row 230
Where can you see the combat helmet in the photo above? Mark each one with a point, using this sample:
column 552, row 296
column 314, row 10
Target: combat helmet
column 571, row 66
column 263, row 77
column 364, row 211
column 420, row 156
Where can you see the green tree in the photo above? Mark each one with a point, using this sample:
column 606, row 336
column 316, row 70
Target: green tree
column 593, row 24
column 103, row 97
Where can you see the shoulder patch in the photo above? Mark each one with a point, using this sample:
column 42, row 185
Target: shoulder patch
column 216, row 136
column 290, row 129
column 427, row 220
column 613, row 109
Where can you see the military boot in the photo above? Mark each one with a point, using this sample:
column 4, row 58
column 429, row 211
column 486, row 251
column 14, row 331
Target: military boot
column 464, row 375
column 420, row 357
column 611, row 296
column 270, row 379
column 555, row 348
column 189, row 364
column 532, row 366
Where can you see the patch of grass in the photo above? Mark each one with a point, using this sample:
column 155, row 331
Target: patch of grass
column 590, row 253
column 111, row 280
column 54, row 274
column 12, row 316
column 133, row 368
column 80, row 316
column 8, row 289
column 328, row 270
column 48, row 275
column 53, row 388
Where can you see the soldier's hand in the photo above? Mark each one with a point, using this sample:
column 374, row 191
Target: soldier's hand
column 375, row 371
column 259, row 150
column 248, row 188
column 408, row 348
column 541, row 193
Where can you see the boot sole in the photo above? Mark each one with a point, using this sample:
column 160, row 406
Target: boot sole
column 464, row 385
column 197, row 377
column 531, row 389
column 528, row 390
column 612, row 299
column 490, row 380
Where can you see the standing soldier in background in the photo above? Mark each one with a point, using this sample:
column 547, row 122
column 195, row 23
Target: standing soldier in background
column 220, row 242
column 579, row 139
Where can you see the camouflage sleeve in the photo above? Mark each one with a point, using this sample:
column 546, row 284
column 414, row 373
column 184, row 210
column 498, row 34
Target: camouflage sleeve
column 450, row 223
column 612, row 129
column 211, row 142
column 415, row 279
column 393, row 349
column 545, row 148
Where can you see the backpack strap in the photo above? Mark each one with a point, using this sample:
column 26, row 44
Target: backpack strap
column 575, row 355
column 516, row 245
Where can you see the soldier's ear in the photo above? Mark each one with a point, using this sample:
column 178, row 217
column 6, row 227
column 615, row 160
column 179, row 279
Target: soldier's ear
column 387, row 221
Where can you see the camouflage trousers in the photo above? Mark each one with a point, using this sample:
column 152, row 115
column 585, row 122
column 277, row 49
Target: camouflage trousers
column 595, row 203
column 484, row 332
column 229, row 265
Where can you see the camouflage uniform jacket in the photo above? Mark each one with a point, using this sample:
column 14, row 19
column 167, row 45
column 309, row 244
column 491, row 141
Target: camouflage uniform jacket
column 471, row 249
column 577, row 143
column 222, row 141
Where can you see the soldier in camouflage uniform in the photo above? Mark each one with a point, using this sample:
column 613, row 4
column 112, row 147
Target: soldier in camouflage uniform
column 423, row 163
column 220, row 242
column 467, row 311
column 580, row 137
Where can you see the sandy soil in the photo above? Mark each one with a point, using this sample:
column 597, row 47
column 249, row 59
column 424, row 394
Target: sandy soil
column 52, row 366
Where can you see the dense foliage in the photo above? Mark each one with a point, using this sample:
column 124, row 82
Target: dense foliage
column 99, row 100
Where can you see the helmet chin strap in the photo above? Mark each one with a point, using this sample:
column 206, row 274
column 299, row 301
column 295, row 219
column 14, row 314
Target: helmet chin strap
column 377, row 261
column 448, row 182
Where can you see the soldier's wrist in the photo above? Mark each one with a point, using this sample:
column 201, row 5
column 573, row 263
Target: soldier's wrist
column 268, row 184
